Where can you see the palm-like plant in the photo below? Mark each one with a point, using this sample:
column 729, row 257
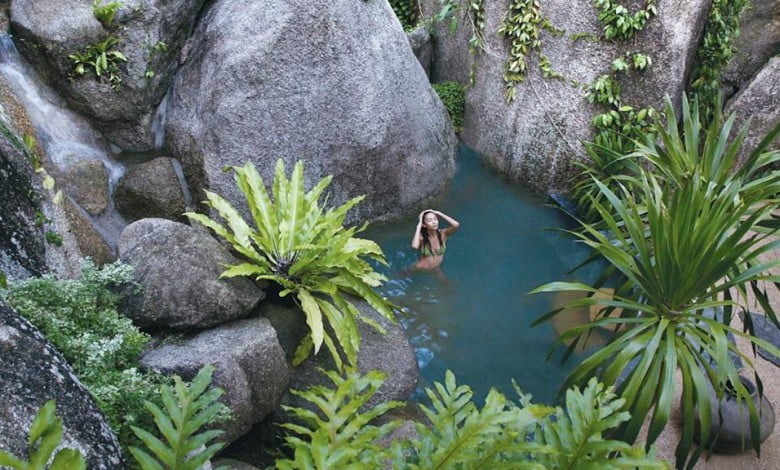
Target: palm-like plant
column 685, row 235
column 307, row 251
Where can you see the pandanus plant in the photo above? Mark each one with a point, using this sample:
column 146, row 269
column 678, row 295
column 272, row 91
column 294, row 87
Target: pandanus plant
column 688, row 233
column 304, row 248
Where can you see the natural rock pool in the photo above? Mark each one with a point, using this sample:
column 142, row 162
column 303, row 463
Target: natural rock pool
column 475, row 317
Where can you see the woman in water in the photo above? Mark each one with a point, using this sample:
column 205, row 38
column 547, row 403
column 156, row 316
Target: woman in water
column 430, row 241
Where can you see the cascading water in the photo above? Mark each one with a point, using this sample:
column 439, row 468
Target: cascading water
column 65, row 137
column 158, row 123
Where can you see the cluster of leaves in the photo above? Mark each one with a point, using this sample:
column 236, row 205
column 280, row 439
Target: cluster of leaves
column 715, row 51
column 44, row 436
column 684, row 232
column 619, row 22
column 151, row 51
column 305, row 249
column 501, row 434
column 407, row 12
column 452, row 94
column 103, row 58
column 79, row 317
column 522, row 25
column 105, row 13
column 188, row 408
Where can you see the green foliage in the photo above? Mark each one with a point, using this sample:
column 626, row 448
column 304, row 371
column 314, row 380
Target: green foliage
column 339, row 434
column 54, row 238
column 407, row 13
column 79, row 317
column 44, row 436
column 105, row 13
column 187, row 409
column 715, row 52
column 684, row 235
column 3, row 281
column 619, row 22
column 306, row 250
column 452, row 95
column 501, row 434
column 151, row 51
column 521, row 25
column 31, row 148
column 103, row 58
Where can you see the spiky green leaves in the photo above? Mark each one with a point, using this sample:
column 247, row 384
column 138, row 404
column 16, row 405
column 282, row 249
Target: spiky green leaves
column 187, row 409
column 305, row 248
column 44, row 436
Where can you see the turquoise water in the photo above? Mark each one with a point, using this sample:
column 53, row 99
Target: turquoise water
column 474, row 318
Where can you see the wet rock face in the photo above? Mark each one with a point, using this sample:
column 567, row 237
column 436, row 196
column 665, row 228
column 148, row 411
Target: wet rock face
column 758, row 41
column 249, row 362
column 151, row 189
column 88, row 240
column 87, row 182
column 33, row 372
column 759, row 101
column 178, row 268
column 48, row 31
column 21, row 241
column 332, row 82
column 536, row 138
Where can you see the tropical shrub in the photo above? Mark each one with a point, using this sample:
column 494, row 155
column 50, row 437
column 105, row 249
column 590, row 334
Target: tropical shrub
column 306, row 250
column 188, row 407
column 407, row 12
column 44, row 436
column 103, row 57
column 501, row 434
column 686, row 235
column 105, row 13
column 452, row 95
column 80, row 318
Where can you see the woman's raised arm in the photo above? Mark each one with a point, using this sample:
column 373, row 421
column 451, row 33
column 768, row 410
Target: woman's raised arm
column 454, row 224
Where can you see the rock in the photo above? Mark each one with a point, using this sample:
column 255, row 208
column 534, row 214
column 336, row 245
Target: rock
column 178, row 268
column 87, row 182
column 22, row 252
column 451, row 58
column 151, row 189
column 89, row 241
column 48, row 31
column 249, row 362
column 536, row 138
column 760, row 100
column 33, row 372
column 422, row 46
column 331, row 82
column 390, row 353
column 758, row 41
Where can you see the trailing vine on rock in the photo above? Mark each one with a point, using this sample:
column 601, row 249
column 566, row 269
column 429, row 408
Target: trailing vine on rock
column 715, row 51
column 619, row 22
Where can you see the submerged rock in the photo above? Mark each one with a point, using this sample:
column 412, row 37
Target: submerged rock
column 536, row 138
column 249, row 362
column 32, row 372
column 151, row 189
column 178, row 268
column 151, row 34
column 332, row 82
column 759, row 101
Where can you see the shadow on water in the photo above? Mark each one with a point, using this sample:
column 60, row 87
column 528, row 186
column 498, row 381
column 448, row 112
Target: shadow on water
column 474, row 318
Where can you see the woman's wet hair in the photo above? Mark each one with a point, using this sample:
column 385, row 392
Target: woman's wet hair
column 424, row 233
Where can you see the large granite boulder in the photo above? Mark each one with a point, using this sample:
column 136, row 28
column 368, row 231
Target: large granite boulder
column 390, row 352
column 48, row 31
column 178, row 268
column 32, row 372
column 332, row 82
column 758, row 41
column 250, row 367
column 22, row 251
column 152, row 189
column 536, row 138
column 759, row 101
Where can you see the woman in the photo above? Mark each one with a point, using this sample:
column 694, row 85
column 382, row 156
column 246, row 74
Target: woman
column 429, row 240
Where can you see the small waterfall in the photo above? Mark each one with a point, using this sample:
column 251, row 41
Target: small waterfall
column 66, row 137
column 158, row 123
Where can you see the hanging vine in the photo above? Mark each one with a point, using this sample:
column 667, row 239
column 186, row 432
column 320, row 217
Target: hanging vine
column 619, row 22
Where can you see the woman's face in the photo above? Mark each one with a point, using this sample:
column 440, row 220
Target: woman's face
column 430, row 221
